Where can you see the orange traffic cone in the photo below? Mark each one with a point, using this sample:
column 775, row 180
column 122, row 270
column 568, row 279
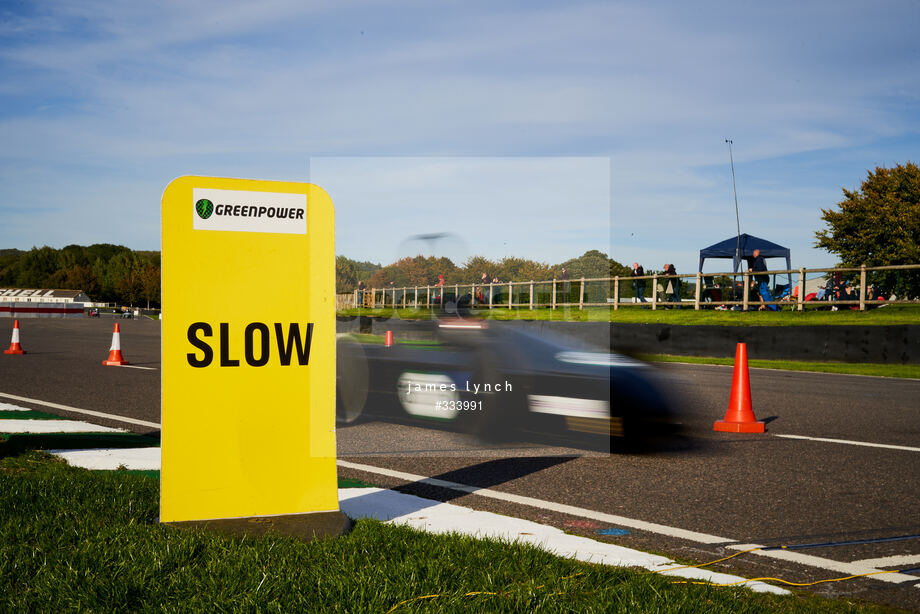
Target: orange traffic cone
column 15, row 348
column 740, row 417
column 388, row 339
column 115, row 357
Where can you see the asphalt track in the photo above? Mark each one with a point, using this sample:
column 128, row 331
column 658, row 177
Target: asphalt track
column 766, row 489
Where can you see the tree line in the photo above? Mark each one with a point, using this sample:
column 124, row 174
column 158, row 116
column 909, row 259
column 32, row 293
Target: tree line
column 106, row 273
column 877, row 224
column 425, row 270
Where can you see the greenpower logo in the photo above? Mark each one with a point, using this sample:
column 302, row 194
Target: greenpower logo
column 204, row 208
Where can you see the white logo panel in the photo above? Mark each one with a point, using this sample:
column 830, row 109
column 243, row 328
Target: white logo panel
column 245, row 211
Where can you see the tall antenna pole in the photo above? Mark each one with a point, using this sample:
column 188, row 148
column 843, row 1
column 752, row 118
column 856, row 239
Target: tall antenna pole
column 737, row 218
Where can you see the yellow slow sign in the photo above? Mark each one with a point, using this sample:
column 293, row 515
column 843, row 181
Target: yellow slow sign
column 248, row 399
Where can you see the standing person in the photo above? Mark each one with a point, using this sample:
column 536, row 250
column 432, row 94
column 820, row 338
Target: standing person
column 440, row 284
column 639, row 284
column 763, row 281
column 674, row 284
column 565, row 285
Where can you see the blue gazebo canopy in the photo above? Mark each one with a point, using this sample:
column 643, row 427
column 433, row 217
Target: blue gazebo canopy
column 728, row 249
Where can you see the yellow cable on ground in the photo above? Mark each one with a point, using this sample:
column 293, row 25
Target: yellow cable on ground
column 704, row 583
column 724, row 558
column 475, row 593
column 787, row 582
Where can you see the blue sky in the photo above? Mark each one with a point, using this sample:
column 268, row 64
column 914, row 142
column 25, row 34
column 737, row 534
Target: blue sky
column 534, row 129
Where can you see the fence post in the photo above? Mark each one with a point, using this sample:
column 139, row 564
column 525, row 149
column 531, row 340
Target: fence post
column 416, row 297
column 356, row 299
column 699, row 286
column 745, row 291
column 510, row 294
column 531, row 295
column 862, row 287
column 442, row 297
column 428, row 297
column 654, row 292
column 616, row 292
column 554, row 293
column 801, row 299
column 581, row 295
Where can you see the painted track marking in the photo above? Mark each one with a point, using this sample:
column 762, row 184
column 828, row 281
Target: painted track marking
column 640, row 525
column 897, row 560
column 87, row 412
column 851, row 569
column 856, row 567
column 784, row 555
column 852, row 443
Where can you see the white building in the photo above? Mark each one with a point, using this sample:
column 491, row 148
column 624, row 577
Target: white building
column 21, row 295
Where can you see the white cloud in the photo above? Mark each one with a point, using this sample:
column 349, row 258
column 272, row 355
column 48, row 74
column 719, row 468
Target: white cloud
column 135, row 94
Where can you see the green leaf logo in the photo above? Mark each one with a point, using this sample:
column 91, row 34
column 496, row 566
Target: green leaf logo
column 205, row 208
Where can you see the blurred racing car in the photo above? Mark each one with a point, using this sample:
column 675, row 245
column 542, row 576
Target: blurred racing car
column 501, row 383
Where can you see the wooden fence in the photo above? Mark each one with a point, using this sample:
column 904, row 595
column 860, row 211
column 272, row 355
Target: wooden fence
column 617, row 292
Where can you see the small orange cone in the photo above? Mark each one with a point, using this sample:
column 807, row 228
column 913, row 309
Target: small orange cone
column 15, row 347
column 115, row 357
column 388, row 339
column 740, row 416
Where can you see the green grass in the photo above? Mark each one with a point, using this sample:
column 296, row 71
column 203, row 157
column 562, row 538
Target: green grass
column 380, row 340
column 73, row 540
column 890, row 315
column 884, row 370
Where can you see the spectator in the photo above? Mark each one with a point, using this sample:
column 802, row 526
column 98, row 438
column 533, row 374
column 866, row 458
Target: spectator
column 639, row 284
column 440, row 284
column 849, row 295
column 763, row 282
column 484, row 281
column 673, row 289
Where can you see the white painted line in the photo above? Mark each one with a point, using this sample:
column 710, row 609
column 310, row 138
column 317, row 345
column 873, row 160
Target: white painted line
column 786, row 555
column 145, row 459
column 87, row 412
column 850, row 569
column 135, row 367
column 897, row 560
column 852, row 443
column 444, row 518
column 10, row 407
column 53, row 426
column 622, row 521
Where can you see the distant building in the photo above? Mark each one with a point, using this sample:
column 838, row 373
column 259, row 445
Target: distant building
column 21, row 295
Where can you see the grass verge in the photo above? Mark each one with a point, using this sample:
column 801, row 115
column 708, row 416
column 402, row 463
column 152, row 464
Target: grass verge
column 75, row 540
column 884, row 370
column 888, row 316
column 847, row 368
